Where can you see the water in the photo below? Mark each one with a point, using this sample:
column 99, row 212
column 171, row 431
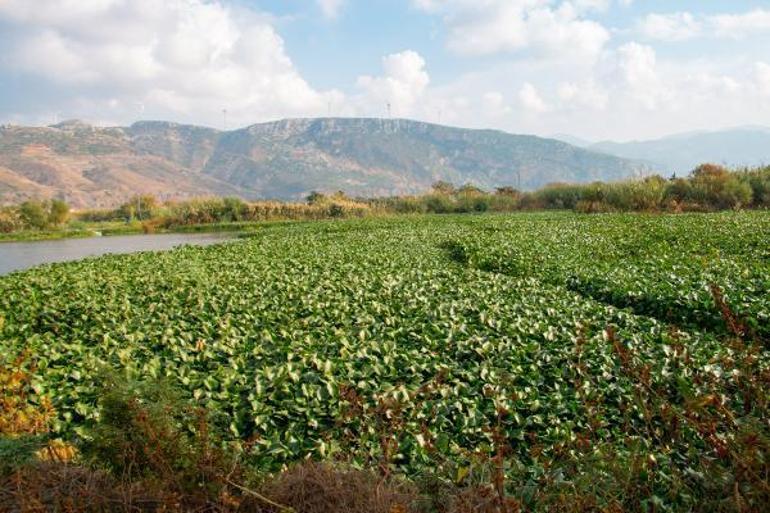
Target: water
column 15, row 256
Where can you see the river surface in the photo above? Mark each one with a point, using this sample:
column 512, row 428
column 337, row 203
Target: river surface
column 15, row 256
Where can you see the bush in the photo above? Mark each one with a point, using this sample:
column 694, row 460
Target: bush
column 439, row 203
column 716, row 187
column 140, row 207
column 58, row 212
column 505, row 202
column 636, row 195
column 558, row 196
column 33, row 214
column 10, row 221
column 759, row 181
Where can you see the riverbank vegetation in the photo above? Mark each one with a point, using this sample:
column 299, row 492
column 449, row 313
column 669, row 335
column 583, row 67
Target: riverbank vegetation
column 709, row 188
column 488, row 363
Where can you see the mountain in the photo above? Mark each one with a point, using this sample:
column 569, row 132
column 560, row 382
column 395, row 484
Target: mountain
column 100, row 167
column 743, row 146
column 573, row 140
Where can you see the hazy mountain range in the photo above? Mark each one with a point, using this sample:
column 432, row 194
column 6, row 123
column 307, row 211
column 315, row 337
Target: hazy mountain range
column 99, row 167
column 680, row 153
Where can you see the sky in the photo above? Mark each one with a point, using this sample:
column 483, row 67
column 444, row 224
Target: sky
column 595, row 69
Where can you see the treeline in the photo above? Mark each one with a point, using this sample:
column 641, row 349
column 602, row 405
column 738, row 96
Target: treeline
column 34, row 215
column 205, row 211
column 708, row 188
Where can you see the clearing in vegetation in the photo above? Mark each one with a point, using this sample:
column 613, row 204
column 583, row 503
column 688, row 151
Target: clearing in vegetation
column 545, row 361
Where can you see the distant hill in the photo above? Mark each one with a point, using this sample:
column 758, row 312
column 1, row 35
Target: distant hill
column 745, row 146
column 573, row 140
column 93, row 167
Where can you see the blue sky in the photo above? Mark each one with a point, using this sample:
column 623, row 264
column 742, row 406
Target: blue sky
column 597, row 69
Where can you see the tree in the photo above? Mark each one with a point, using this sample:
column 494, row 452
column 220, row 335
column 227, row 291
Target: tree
column 58, row 212
column 33, row 214
column 442, row 187
column 716, row 187
column 233, row 209
column 315, row 198
column 141, row 207
column 9, row 220
column 470, row 190
column 507, row 190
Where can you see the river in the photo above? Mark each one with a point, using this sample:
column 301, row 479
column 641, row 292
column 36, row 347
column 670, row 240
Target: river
column 16, row 256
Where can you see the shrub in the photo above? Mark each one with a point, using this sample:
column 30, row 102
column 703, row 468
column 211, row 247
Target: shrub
column 145, row 431
column 759, row 181
column 505, row 202
column 558, row 196
column 716, row 187
column 33, row 214
column 10, row 221
column 315, row 198
column 58, row 212
column 442, row 187
column 678, row 190
column 439, row 203
column 140, row 207
column 635, row 195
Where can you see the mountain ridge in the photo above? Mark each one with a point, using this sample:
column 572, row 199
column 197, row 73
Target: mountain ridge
column 285, row 159
column 680, row 153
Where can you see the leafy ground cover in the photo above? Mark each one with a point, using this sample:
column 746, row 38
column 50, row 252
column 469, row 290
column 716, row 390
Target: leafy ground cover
column 530, row 342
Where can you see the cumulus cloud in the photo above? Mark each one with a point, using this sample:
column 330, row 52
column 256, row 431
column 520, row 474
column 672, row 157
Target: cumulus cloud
column 531, row 100
column 174, row 58
column 637, row 64
column 681, row 26
column 481, row 27
column 401, row 85
column 670, row 27
column 741, row 25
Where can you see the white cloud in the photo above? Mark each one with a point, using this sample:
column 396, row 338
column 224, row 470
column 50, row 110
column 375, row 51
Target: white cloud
column 480, row 27
column 494, row 105
column 762, row 75
column 595, row 5
column 741, row 25
column 585, row 94
column 403, row 82
column 531, row 100
column 178, row 58
column 681, row 26
column 670, row 27
column 638, row 68
column 330, row 8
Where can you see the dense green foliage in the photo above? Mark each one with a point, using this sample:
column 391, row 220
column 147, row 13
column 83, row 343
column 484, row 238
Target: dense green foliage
column 422, row 342
column 708, row 188
column 34, row 215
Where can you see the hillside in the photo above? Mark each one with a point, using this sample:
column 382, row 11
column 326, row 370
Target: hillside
column 745, row 146
column 91, row 166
